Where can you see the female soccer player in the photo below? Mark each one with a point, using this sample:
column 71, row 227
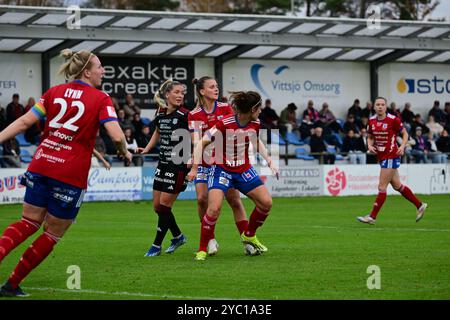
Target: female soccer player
column 170, row 173
column 383, row 130
column 232, row 169
column 56, row 179
column 201, row 119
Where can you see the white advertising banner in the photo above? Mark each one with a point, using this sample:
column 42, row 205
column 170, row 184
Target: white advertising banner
column 337, row 83
column 349, row 180
column 419, row 84
column 114, row 185
column 11, row 191
column 20, row 73
column 295, row 182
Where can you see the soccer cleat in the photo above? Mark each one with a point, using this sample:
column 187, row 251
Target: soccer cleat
column 8, row 291
column 175, row 243
column 366, row 219
column 200, row 256
column 212, row 247
column 421, row 211
column 253, row 241
column 153, row 251
column 250, row 250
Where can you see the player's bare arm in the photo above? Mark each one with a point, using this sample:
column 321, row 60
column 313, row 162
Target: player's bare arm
column 197, row 154
column 18, row 126
column 401, row 149
column 151, row 144
column 116, row 134
column 99, row 156
column 262, row 150
column 370, row 144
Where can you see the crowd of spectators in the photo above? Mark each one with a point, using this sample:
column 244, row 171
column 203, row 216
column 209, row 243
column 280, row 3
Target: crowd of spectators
column 428, row 141
column 322, row 131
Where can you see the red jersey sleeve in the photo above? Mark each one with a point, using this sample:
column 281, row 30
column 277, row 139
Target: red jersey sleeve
column 107, row 111
column 398, row 125
column 193, row 124
column 40, row 108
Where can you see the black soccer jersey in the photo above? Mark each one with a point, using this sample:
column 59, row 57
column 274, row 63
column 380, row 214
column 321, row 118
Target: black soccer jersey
column 175, row 139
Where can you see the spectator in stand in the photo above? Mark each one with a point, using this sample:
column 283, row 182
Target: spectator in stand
column 420, row 149
column 306, row 128
column 407, row 114
column 394, row 111
column 355, row 148
column 329, row 119
column 269, row 120
column 288, row 118
column 433, row 151
column 137, row 123
column 14, row 109
column 370, row 157
column 130, row 106
column 447, row 116
column 363, row 124
column 434, row 127
column 443, row 143
column 418, row 123
column 124, row 122
column 2, row 118
column 437, row 113
column 368, row 111
column 311, row 112
column 132, row 147
column 319, row 148
column 350, row 125
column 100, row 146
column 11, row 153
column 110, row 146
column 32, row 134
column 143, row 137
column 116, row 104
column 355, row 110
column 268, row 116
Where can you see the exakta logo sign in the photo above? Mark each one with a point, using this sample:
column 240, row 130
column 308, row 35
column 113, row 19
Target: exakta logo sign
column 279, row 82
column 434, row 85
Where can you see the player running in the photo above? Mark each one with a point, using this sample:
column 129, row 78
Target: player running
column 232, row 169
column 383, row 130
column 171, row 171
column 201, row 119
column 56, row 179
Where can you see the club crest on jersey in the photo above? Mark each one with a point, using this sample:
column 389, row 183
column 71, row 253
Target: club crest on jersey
column 384, row 125
column 175, row 121
column 219, row 117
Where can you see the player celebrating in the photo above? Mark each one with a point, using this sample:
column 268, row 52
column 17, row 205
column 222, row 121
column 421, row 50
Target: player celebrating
column 201, row 119
column 383, row 130
column 233, row 169
column 170, row 173
column 56, row 179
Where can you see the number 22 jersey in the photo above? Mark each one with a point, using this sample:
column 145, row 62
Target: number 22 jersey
column 74, row 112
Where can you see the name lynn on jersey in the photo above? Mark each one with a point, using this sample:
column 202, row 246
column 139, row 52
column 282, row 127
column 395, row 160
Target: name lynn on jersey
column 73, row 94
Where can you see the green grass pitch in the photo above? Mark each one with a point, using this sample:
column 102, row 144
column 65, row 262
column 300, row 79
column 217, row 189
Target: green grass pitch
column 317, row 250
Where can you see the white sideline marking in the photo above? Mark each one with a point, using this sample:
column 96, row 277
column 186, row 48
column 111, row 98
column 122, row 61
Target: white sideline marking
column 380, row 229
column 131, row 294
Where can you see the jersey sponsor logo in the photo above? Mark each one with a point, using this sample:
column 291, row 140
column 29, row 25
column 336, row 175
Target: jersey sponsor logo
column 224, row 181
column 111, row 112
column 336, row 181
column 169, row 174
column 170, row 188
column 38, row 154
column 63, row 197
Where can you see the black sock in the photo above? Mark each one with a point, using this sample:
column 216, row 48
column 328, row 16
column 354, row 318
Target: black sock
column 163, row 226
column 174, row 229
